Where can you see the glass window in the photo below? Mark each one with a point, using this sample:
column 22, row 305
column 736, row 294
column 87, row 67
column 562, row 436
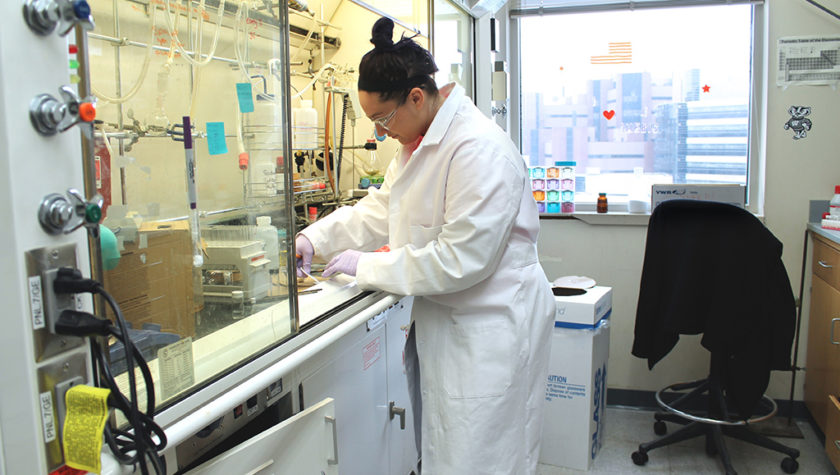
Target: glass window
column 638, row 97
column 453, row 50
column 203, row 276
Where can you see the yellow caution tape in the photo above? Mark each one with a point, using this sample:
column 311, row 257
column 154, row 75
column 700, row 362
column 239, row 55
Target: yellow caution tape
column 84, row 423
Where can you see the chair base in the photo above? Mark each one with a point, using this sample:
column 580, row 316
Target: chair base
column 715, row 444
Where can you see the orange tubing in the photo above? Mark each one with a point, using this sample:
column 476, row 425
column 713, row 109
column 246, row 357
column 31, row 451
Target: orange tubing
column 327, row 144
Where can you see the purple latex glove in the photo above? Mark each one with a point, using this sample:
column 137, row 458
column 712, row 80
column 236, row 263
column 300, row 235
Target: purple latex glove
column 303, row 252
column 345, row 262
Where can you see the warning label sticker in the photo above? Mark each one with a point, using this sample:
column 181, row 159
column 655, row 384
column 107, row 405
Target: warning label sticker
column 559, row 388
column 370, row 353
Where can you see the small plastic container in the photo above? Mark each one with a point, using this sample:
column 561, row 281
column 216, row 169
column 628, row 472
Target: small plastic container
column 567, row 169
column 834, row 204
column 553, row 208
column 567, row 184
column 537, row 184
column 537, row 172
column 541, row 207
column 553, row 195
column 567, row 195
column 539, row 195
column 552, row 172
column 567, row 207
column 552, row 184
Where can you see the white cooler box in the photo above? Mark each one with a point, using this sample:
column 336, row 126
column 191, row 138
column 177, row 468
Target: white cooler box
column 576, row 393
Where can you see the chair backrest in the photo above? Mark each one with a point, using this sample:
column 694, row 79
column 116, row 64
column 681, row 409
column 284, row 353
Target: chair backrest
column 714, row 269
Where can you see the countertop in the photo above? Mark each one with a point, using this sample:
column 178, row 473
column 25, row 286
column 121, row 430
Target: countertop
column 826, row 233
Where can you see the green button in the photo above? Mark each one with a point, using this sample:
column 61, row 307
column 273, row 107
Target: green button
column 74, row 64
column 93, row 213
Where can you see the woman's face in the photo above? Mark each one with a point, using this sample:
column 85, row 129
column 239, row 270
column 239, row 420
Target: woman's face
column 404, row 121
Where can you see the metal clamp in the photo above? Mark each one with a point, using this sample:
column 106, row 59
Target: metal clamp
column 59, row 214
column 50, row 115
column 833, row 321
column 334, row 460
column 393, row 410
column 824, row 265
column 43, row 16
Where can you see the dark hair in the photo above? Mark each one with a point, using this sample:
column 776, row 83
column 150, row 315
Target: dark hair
column 394, row 69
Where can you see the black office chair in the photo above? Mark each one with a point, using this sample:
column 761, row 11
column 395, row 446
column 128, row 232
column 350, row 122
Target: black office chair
column 716, row 270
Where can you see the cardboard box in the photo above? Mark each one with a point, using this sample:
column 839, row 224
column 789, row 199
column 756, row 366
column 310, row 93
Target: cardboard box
column 587, row 309
column 731, row 194
column 576, row 390
column 153, row 282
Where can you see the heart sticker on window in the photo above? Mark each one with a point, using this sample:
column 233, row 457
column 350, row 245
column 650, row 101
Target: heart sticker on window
column 609, row 114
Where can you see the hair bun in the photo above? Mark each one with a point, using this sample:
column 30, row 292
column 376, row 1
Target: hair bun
column 382, row 34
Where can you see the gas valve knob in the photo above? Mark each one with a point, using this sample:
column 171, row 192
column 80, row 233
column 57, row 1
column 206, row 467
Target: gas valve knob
column 50, row 115
column 43, row 16
column 59, row 214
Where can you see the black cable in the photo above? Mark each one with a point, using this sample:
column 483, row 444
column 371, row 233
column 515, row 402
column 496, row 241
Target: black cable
column 121, row 442
column 814, row 3
column 341, row 143
column 133, row 414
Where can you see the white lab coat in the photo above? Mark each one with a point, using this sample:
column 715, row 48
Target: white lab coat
column 461, row 224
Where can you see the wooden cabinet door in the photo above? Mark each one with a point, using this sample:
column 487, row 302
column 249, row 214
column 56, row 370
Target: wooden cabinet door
column 822, row 375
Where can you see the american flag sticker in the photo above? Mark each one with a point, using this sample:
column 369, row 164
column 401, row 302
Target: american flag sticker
column 620, row 52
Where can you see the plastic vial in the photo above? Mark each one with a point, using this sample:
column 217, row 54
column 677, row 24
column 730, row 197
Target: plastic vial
column 238, row 299
column 313, row 213
column 602, row 203
column 834, row 204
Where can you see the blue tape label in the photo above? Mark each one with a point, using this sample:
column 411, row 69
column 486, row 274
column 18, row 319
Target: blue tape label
column 216, row 144
column 245, row 96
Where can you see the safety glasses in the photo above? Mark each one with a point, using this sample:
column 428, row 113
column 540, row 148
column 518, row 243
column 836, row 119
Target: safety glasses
column 382, row 122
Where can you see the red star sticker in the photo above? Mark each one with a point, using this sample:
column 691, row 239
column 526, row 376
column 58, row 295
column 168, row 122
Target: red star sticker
column 706, row 88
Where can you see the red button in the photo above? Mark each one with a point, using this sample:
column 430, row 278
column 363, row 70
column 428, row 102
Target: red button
column 74, row 49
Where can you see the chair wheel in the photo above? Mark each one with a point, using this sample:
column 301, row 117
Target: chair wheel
column 790, row 465
column 641, row 458
column 659, row 428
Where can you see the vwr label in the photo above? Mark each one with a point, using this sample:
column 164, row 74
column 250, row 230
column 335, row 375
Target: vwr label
column 559, row 388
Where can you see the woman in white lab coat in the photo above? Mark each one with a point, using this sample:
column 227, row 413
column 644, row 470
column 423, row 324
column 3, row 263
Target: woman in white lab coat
column 457, row 214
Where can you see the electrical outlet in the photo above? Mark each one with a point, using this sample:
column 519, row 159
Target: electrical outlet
column 45, row 306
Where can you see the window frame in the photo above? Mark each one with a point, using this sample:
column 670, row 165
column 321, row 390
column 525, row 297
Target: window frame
column 758, row 93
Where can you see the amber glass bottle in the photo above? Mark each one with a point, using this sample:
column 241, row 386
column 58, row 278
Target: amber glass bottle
column 602, row 203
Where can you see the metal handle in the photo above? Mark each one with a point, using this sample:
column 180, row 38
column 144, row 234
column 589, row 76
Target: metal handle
column 334, row 460
column 43, row 16
column 833, row 321
column 824, row 265
column 50, row 115
column 59, row 214
column 397, row 411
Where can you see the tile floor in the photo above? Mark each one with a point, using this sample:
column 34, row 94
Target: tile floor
column 627, row 428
